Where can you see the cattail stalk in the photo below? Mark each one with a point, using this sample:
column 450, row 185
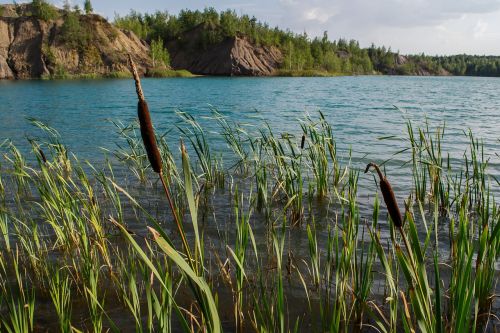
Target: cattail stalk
column 149, row 140
column 303, row 141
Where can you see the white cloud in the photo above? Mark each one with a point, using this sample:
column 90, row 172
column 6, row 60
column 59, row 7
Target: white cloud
column 411, row 26
column 318, row 14
column 480, row 29
column 401, row 13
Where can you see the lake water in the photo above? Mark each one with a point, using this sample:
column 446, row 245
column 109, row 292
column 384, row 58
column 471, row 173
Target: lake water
column 361, row 109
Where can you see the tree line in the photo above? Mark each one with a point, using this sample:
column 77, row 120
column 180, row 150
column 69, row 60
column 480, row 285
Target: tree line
column 300, row 52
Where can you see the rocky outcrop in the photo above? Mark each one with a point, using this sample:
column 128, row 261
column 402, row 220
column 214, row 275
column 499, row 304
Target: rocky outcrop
column 5, row 42
column 400, row 59
column 32, row 48
column 247, row 59
column 232, row 56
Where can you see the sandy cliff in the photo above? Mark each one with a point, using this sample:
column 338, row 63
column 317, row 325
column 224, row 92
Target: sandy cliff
column 32, row 48
column 232, row 56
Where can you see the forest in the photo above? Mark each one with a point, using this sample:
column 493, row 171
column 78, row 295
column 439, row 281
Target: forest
column 301, row 51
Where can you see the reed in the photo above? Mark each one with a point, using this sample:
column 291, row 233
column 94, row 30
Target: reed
column 60, row 293
column 212, row 169
column 131, row 151
column 243, row 237
column 19, row 299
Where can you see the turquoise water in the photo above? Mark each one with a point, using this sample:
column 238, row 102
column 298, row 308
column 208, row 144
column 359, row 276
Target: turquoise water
column 361, row 109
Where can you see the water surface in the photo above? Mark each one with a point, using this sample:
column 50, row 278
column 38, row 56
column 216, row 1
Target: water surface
column 362, row 109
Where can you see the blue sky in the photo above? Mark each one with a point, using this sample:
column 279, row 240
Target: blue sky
column 410, row 26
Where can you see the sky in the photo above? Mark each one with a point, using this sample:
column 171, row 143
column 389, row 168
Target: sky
column 409, row 26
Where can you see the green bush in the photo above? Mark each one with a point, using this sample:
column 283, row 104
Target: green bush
column 73, row 33
column 161, row 72
column 49, row 55
column 43, row 10
column 60, row 72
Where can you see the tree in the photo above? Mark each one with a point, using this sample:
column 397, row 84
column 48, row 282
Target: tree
column 189, row 19
column 211, row 16
column 331, row 62
column 158, row 23
column 134, row 22
column 228, row 22
column 87, row 6
column 159, row 53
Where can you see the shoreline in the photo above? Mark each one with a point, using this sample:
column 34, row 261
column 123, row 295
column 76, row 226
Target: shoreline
column 182, row 73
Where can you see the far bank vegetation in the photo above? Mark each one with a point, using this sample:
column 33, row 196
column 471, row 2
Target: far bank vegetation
column 302, row 54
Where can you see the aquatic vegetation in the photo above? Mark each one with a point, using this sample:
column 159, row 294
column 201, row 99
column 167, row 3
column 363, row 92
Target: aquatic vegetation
column 282, row 240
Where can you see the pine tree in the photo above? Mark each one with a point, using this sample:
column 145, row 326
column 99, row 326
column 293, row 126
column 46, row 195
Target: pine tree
column 87, row 6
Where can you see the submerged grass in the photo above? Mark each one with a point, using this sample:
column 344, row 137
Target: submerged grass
column 91, row 252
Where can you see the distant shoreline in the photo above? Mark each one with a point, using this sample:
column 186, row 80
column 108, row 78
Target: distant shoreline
column 186, row 74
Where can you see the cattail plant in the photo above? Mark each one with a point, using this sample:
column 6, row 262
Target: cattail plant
column 149, row 140
column 414, row 266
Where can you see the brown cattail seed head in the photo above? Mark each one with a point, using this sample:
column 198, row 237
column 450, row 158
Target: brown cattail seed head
column 389, row 197
column 303, row 142
column 147, row 131
column 148, row 136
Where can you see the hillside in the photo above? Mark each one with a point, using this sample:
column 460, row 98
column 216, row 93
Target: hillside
column 196, row 38
column 64, row 44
